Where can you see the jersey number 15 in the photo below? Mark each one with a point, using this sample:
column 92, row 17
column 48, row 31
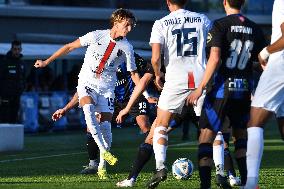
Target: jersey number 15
column 182, row 39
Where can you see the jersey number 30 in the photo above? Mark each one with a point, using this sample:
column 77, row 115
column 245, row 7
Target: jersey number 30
column 240, row 52
column 182, row 39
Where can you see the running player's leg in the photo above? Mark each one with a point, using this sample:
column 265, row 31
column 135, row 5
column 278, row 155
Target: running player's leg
column 144, row 154
column 106, row 106
column 218, row 154
column 228, row 160
column 140, row 112
column 93, row 151
column 240, row 135
column 205, row 155
column 238, row 113
column 229, row 164
column 211, row 120
column 145, row 150
column 171, row 101
column 89, row 111
column 258, row 117
column 160, row 144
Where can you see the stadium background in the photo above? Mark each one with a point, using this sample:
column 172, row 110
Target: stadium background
column 54, row 159
column 44, row 25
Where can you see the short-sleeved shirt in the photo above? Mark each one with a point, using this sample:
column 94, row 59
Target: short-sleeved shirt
column 124, row 85
column 182, row 35
column 99, row 45
column 270, row 89
column 277, row 58
column 240, row 41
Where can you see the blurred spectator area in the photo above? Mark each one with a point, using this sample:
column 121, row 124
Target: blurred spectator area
column 44, row 26
column 252, row 6
column 61, row 75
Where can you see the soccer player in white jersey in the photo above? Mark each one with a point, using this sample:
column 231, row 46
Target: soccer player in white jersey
column 106, row 50
column 269, row 95
column 181, row 35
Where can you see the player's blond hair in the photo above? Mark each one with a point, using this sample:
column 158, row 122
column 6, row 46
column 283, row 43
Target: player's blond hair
column 120, row 15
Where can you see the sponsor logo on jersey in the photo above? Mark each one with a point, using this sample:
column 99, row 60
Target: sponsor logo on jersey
column 209, row 37
column 236, row 84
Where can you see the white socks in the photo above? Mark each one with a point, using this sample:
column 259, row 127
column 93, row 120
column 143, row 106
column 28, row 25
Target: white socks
column 93, row 126
column 106, row 132
column 254, row 155
column 159, row 149
column 107, row 138
column 218, row 154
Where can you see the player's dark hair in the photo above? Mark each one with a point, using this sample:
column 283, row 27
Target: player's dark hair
column 179, row 3
column 236, row 4
column 121, row 14
column 16, row 43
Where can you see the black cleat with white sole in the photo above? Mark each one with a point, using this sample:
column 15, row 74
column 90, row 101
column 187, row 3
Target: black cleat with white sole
column 222, row 182
column 158, row 177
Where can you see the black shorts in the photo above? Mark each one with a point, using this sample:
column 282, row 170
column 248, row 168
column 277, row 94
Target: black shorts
column 215, row 110
column 139, row 108
column 187, row 114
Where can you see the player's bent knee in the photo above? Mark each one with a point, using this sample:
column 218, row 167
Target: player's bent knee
column 160, row 135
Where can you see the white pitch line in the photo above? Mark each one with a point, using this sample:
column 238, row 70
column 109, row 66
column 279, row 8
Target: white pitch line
column 40, row 157
column 184, row 144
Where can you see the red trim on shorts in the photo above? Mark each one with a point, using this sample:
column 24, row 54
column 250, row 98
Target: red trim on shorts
column 104, row 59
column 191, row 83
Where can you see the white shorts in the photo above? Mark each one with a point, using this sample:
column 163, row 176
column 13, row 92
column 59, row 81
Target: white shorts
column 269, row 93
column 173, row 100
column 103, row 100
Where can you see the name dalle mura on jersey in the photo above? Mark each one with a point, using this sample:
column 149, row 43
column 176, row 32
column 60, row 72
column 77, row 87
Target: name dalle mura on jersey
column 174, row 21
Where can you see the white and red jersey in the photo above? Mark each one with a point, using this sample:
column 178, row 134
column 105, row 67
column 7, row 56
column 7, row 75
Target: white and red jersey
column 277, row 20
column 182, row 35
column 270, row 88
column 102, row 58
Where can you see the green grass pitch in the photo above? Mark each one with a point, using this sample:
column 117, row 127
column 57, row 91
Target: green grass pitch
column 54, row 160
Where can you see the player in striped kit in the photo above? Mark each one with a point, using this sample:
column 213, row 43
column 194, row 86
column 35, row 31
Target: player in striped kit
column 234, row 43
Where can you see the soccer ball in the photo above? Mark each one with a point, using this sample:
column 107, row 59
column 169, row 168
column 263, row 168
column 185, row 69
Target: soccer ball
column 182, row 169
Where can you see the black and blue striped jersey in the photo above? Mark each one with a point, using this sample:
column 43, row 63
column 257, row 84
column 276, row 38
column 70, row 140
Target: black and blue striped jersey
column 240, row 41
column 124, row 84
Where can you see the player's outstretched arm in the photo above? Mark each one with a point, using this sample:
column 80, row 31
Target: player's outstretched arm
column 61, row 112
column 60, row 52
column 211, row 66
column 138, row 90
column 136, row 79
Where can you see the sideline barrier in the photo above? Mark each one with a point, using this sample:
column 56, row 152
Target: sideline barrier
column 11, row 137
column 58, row 100
column 37, row 108
column 29, row 111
